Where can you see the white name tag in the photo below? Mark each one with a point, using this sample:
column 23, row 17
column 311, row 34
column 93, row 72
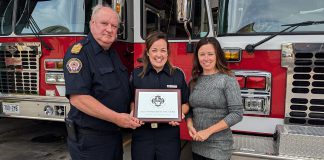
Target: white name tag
column 172, row 86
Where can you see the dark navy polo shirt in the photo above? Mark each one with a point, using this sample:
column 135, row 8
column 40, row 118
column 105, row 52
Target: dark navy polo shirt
column 162, row 80
column 103, row 76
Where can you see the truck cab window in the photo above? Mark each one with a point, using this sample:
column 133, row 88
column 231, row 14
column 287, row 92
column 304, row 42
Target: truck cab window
column 268, row 16
column 6, row 8
column 53, row 16
column 152, row 19
column 162, row 17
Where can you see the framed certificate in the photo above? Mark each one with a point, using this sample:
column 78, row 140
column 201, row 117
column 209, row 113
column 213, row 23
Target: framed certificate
column 158, row 105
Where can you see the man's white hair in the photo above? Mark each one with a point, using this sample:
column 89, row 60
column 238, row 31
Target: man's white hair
column 96, row 8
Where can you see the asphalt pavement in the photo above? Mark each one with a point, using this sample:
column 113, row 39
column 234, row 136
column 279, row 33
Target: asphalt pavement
column 23, row 139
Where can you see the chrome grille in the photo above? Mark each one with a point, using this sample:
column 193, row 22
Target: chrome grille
column 19, row 68
column 305, row 83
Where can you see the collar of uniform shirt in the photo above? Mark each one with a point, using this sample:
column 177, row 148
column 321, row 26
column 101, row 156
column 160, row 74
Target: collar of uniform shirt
column 165, row 69
column 96, row 47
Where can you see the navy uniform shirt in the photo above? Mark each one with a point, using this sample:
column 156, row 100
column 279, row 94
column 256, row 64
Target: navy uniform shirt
column 162, row 80
column 100, row 74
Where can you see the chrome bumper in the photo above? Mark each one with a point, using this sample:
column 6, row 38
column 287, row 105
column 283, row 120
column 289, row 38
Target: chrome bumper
column 35, row 107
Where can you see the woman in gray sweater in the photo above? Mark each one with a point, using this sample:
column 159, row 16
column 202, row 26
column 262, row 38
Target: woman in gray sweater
column 215, row 101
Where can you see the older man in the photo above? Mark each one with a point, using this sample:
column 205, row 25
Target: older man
column 97, row 86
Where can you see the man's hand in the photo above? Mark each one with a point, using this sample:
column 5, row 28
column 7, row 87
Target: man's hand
column 136, row 120
column 127, row 121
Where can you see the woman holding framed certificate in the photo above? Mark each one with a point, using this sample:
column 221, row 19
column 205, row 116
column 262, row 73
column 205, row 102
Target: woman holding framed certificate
column 160, row 99
column 215, row 103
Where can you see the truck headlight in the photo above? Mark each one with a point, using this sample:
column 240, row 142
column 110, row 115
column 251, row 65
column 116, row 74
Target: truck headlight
column 254, row 104
column 54, row 78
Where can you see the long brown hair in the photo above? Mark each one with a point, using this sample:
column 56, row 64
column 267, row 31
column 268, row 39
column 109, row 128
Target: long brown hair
column 221, row 64
column 150, row 39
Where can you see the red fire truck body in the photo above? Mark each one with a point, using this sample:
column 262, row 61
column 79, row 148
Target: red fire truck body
column 277, row 57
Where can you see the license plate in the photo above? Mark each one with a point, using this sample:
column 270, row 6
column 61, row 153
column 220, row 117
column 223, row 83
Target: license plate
column 10, row 108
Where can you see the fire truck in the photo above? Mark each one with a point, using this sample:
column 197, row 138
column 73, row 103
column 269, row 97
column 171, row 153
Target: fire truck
column 275, row 48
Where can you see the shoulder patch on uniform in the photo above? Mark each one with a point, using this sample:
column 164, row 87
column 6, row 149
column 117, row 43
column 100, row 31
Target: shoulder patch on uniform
column 76, row 48
column 74, row 65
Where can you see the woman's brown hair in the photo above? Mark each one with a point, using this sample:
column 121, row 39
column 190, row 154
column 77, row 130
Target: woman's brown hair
column 150, row 39
column 221, row 64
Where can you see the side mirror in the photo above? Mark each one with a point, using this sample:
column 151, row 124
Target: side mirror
column 184, row 8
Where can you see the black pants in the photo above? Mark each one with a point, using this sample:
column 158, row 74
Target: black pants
column 96, row 147
column 199, row 157
column 161, row 143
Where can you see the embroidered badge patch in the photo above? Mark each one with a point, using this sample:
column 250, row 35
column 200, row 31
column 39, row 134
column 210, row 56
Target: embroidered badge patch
column 74, row 65
column 76, row 48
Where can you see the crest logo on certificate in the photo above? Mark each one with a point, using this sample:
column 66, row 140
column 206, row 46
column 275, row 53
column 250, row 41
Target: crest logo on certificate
column 158, row 101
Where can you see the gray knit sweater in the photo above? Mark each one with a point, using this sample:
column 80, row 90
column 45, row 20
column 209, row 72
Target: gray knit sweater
column 215, row 97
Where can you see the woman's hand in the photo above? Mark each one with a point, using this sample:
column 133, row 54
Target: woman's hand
column 192, row 132
column 202, row 135
column 174, row 123
column 206, row 133
column 183, row 116
column 191, row 128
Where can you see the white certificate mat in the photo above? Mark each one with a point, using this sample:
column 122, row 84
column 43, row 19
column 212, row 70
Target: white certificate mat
column 158, row 105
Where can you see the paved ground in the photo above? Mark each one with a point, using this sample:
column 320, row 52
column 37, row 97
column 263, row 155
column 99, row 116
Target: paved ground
column 31, row 140
column 22, row 139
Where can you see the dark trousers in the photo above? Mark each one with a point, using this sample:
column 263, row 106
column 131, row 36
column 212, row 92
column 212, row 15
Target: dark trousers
column 161, row 143
column 199, row 157
column 96, row 147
